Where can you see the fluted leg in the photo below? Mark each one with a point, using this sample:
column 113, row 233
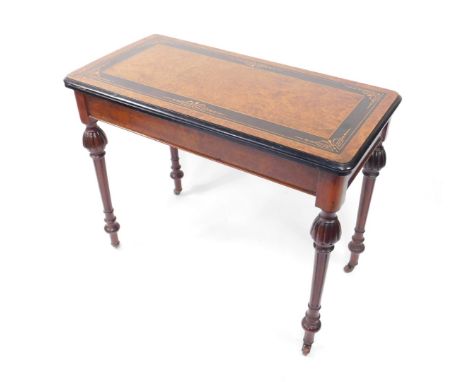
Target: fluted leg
column 325, row 231
column 176, row 172
column 371, row 170
column 95, row 140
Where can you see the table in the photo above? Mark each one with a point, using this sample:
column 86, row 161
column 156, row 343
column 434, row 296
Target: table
column 308, row 131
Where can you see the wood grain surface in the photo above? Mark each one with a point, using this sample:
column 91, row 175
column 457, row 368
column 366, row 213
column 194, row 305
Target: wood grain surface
column 308, row 115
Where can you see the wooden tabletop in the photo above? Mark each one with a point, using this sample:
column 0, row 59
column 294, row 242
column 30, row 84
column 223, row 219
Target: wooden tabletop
column 313, row 117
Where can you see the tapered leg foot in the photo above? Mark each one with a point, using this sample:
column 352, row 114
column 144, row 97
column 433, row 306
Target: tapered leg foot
column 306, row 349
column 371, row 170
column 353, row 261
column 115, row 242
column 326, row 231
column 176, row 172
column 349, row 267
column 95, row 140
column 113, row 236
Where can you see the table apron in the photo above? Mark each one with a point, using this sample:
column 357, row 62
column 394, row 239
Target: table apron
column 243, row 156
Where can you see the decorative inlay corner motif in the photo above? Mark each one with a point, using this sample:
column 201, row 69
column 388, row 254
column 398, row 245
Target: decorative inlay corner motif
column 373, row 95
column 333, row 144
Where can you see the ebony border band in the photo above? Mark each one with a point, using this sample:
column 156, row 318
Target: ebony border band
column 336, row 143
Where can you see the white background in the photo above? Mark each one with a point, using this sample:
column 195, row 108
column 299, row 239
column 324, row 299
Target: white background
column 212, row 285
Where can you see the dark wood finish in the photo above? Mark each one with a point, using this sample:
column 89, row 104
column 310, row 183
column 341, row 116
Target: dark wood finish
column 95, row 140
column 371, row 170
column 176, row 172
column 323, row 120
column 305, row 130
column 325, row 231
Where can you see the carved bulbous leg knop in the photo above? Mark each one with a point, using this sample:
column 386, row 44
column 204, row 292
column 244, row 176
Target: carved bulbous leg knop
column 176, row 172
column 325, row 232
column 371, row 170
column 95, row 140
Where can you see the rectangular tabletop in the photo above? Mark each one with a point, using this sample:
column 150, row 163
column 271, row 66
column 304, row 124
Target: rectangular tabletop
column 315, row 118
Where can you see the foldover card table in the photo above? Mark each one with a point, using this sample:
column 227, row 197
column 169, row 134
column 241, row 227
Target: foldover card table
column 308, row 131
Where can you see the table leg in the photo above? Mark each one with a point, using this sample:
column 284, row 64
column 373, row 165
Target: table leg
column 325, row 231
column 176, row 172
column 95, row 140
column 371, row 170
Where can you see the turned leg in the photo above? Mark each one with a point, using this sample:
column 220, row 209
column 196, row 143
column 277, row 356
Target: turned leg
column 95, row 141
column 371, row 170
column 176, row 172
column 325, row 231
